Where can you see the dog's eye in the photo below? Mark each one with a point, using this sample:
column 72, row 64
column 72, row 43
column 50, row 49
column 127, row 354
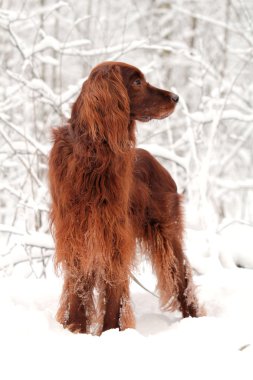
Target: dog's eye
column 137, row 82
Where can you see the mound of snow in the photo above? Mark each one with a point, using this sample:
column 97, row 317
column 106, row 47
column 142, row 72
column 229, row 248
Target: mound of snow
column 218, row 346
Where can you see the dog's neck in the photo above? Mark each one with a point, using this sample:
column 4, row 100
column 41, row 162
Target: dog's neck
column 132, row 132
column 81, row 133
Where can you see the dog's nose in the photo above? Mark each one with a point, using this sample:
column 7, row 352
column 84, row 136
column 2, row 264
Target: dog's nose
column 175, row 98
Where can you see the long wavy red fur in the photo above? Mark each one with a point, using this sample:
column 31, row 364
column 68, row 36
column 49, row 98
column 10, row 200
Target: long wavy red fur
column 107, row 196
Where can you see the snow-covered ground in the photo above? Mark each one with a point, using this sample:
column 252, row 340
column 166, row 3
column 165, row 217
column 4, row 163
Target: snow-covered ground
column 163, row 346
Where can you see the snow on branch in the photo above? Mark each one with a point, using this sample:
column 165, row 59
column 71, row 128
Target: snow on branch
column 122, row 48
column 40, row 148
column 35, row 239
column 213, row 21
column 38, row 85
column 233, row 185
column 227, row 223
column 39, row 239
column 207, row 117
column 49, row 42
column 23, row 161
column 178, row 50
column 47, row 94
column 22, row 199
column 49, row 8
column 73, row 48
column 8, row 16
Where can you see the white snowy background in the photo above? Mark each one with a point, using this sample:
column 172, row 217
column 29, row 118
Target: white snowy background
column 201, row 50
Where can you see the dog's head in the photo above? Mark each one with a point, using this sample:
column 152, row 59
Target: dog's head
column 146, row 101
column 112, row 98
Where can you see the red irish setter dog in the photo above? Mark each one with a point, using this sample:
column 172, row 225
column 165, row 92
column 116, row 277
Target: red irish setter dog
column 107, row 196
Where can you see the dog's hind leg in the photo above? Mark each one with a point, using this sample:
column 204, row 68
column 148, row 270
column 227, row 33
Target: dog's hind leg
column 163, row 240
column 158, row 219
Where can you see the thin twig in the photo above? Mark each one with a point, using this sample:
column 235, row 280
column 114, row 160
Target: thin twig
column 142, row 286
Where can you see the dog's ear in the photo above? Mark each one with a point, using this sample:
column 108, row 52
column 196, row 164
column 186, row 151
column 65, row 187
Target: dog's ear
column 102, row 107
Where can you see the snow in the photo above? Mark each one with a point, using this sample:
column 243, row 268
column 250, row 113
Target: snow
column 217, row 346
column 236, row 246
column 49, row 42
column 46, row 58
